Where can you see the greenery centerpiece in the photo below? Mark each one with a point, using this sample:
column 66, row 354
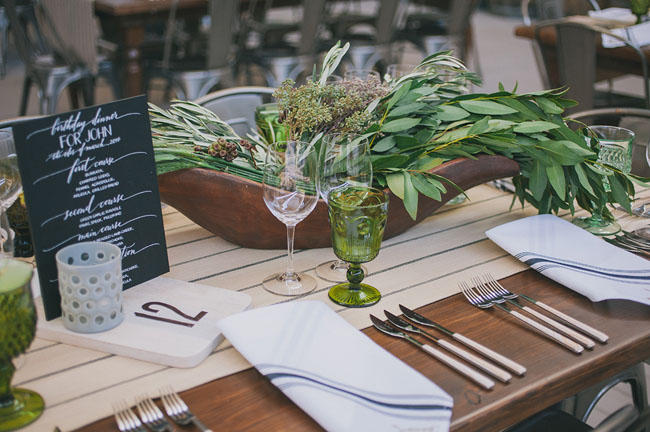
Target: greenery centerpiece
column 414, row 124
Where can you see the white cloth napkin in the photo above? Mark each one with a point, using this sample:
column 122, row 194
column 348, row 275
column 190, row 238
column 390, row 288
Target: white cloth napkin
column 575, row 258
column 334, row 372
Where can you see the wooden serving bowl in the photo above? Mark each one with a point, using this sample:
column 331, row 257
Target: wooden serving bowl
column 232, row 207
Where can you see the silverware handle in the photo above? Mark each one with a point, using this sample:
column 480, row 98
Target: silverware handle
column 557, row 337
column 582, row 339
column 598, row 335
column 199, row 424
column 477, row 361
column 470, row 373
column 501, row 359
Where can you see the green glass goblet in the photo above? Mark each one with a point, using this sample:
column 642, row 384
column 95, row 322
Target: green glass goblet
column 358, row 218
column 18, row 407
column 615, row 151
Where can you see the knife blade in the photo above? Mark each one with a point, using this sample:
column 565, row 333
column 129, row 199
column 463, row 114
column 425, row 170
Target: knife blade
column 487, row 352
column 477, row 361
column 465, row 370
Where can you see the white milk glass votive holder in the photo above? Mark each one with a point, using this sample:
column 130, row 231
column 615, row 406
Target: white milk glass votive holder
column 90, row 284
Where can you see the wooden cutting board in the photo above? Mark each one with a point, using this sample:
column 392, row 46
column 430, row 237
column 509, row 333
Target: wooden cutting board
column 166, row 321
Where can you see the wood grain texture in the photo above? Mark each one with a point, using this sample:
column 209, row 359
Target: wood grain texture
column 248, row 401
column 232, row 207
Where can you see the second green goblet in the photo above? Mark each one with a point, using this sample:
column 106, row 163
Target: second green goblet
column 358, row 218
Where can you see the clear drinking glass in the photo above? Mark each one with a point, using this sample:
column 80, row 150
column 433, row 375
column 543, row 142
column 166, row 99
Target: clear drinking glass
column 10, row 188
column 290, row 173
column 344, row 160
column 616, row 151
column 357, row 218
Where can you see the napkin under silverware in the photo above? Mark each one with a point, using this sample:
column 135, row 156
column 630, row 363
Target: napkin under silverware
column 334, row 372
column 575, row 258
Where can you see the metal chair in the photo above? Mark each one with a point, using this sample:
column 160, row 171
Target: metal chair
column 46, row 68
column 236, row 106
column 436, row 28
column 573, row 62
column 4, row 43
column 75, row 29
column 275, row 52
column 194, row 76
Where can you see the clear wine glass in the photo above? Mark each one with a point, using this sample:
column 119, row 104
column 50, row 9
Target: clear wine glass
column 290, row 172
column 10, row 188
column 344, row 160
column 616, row 151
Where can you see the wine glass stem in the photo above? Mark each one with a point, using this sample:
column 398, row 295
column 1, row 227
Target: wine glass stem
column 291, row 230
column 6, row 373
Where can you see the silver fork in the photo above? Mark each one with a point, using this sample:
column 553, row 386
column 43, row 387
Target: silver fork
column 480, row 301
column 596, row 334
column 178, row 410
column 152, row 416
column 126, row 419
column 496, row 292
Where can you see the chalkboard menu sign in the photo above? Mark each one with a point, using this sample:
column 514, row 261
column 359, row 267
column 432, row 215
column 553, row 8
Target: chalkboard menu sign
column 90, row 175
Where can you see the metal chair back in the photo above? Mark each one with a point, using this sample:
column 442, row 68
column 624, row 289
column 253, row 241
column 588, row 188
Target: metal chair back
column 236, row 106
column 576, row 60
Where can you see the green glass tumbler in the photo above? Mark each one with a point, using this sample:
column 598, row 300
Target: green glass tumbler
column 357, row 217
column 18, row 407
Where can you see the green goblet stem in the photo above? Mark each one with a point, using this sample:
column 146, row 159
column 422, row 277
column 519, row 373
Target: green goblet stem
column 355, row 275
column 7, row 370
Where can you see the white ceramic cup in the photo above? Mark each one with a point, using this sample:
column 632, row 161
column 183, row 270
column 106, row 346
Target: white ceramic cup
column 90, row 284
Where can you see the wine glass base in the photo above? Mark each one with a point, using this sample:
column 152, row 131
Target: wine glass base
column 27, row 407
column 344, row 295
column 289, row 285
column 597, row 226
column 335, row 271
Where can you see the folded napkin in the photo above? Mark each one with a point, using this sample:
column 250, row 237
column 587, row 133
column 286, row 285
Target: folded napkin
column 575, row 258
column 335, row 373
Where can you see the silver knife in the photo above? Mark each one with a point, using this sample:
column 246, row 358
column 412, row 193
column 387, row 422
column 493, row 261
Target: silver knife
column 477, row 361
column 493, row 355
column 470, row 373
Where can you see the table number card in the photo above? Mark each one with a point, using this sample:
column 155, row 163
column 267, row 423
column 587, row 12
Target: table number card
column 90, row 175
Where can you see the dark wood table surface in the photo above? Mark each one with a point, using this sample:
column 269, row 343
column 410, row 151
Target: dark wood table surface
column 610, row 62
column 248, row 401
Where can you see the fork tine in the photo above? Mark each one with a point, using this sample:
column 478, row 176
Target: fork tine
column 464, row 287
column 495, row 285
column 181, row 404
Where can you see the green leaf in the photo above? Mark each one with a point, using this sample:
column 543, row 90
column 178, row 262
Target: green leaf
column 479, row 127
column 538, row 180
column 555, row 175
column 426, row 163
column 486, row 107
column 535, row 126
column 396, row 184
column 451, row 113
column 403, row 110
column 397, row 95
column 388, row 161
column 410, row 196
column 565, row 152
column 400, row 124
column 406, row 141
column 425, row 187
column 584, row 181
column 619, row 193
column 548, row 106
column 384, row 144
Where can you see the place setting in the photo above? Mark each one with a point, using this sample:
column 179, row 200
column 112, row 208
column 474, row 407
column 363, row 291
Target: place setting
column 307, row 257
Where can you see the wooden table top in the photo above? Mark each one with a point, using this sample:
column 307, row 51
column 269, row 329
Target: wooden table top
column 248, row 401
